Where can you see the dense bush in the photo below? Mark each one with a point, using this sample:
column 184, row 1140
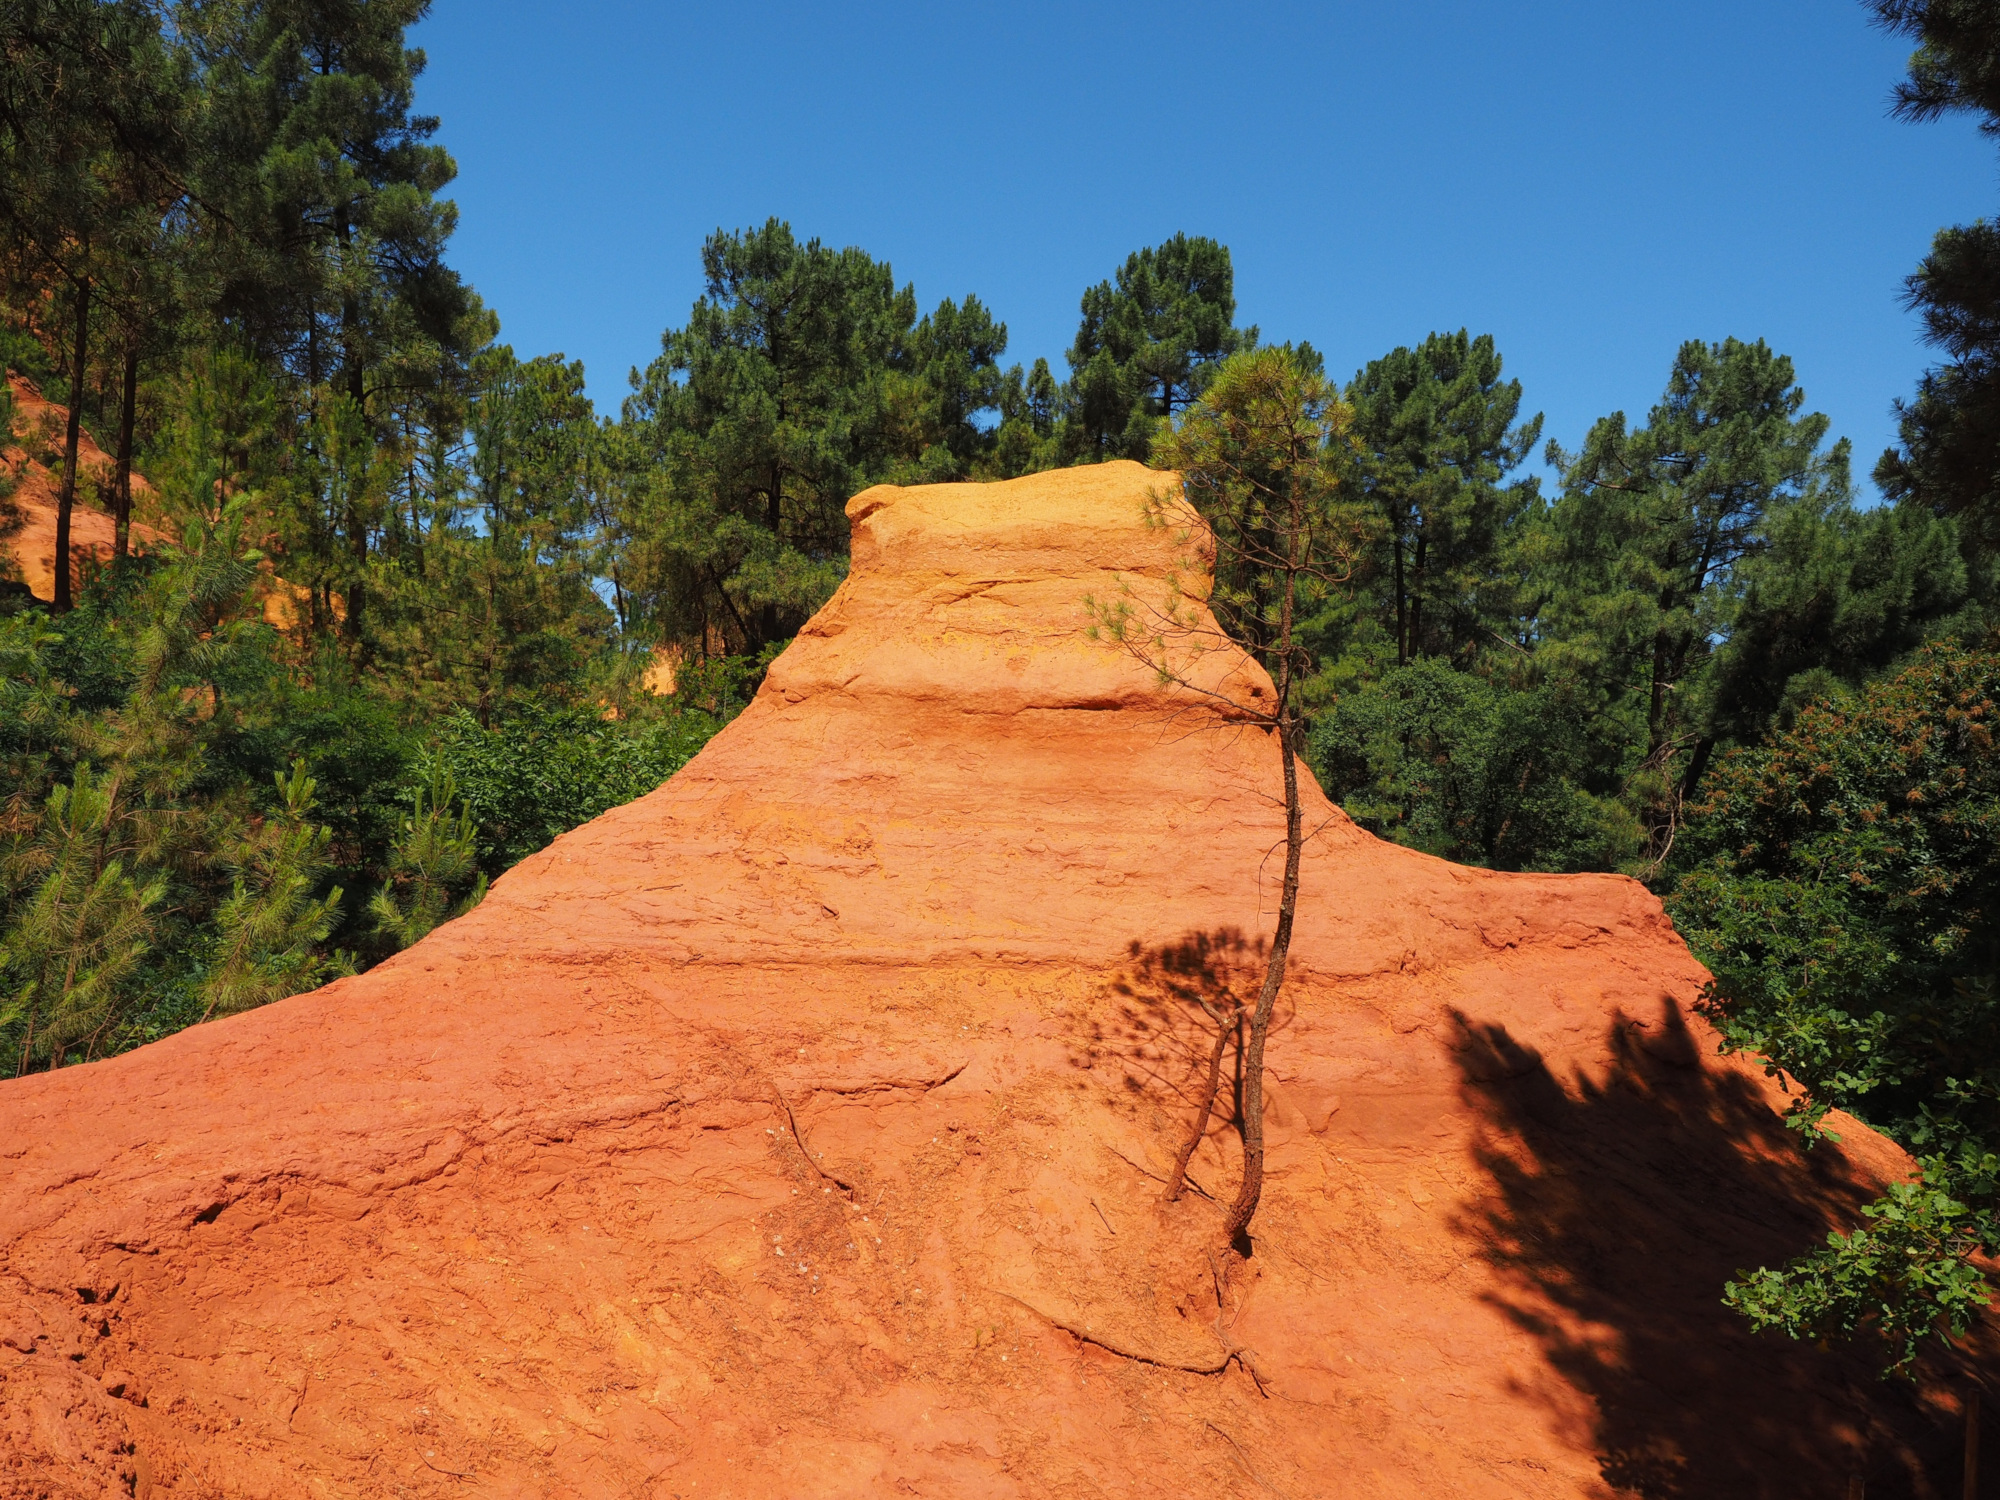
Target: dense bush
column 547, row 767
column 1843, row 885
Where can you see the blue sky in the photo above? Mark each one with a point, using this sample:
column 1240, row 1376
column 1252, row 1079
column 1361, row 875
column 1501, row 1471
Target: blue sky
column 1591, row 184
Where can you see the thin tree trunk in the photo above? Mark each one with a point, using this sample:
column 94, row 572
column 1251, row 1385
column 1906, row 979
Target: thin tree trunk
column 1252, row 1112
column 357, row 392
column 1417, row 596
column 128, row 408
column 1222, row 1035
column 1402, row 602
column 1274, row 978
column 1656, row 702
column 66, row 496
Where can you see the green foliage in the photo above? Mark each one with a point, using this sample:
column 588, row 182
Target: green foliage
column 307, row 144
column 1535, row 686
column 803, row 376
column 81, row 930
column 1839, row 596
column 1950, row 434
column 1149, row 342
column 1842, row 885
column 1653, row 534
column 1905, row 1279
column 359, row 752
column 763, row 416
column 1262, row 457
column 270, row 931
column 433, row 869
column 544, row 768
column 1437, row 429
column 1459, row 765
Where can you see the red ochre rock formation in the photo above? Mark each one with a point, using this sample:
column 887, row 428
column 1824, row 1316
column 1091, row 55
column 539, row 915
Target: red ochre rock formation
column 799, row 1129
column 28, row 515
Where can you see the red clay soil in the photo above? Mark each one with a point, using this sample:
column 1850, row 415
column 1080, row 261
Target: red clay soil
column 799, row 1130
column 28, row 535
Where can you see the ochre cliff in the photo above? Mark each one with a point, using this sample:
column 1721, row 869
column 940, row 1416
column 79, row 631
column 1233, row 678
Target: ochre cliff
column 28, row 515
column 799, row 1130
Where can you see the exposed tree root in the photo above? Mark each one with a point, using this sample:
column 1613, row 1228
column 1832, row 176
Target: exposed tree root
column 798, row 1136
column 1084, row 1336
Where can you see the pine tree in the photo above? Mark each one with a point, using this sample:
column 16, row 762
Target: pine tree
column 1261, row 455
column 82, row 931
column 92, row 175
column 434, row 867
column 1653, row 529
column 1949, row 451
column 1149, row 341
column 761, row 418
column 950, row 368
column 328, row 229
column 1438, row 432
column 270, row 932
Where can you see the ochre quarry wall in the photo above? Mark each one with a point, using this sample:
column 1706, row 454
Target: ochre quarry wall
column 799, row 1130
column 28, row 515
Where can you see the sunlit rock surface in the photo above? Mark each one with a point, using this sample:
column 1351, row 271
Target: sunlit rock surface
column 799, row 1130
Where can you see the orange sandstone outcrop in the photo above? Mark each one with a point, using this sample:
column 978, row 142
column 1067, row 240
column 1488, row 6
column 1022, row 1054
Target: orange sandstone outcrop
column 799, row 1129
column 28, row 534
column 28, row 515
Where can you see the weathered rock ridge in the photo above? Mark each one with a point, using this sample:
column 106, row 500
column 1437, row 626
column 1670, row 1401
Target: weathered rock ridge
column 798, row 1130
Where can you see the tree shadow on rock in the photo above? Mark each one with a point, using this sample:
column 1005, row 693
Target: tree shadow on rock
column 1178, row 1019
column 1616, row 1208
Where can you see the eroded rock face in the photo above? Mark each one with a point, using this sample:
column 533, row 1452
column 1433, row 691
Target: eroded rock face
column 28, row 514
column 800, row 1128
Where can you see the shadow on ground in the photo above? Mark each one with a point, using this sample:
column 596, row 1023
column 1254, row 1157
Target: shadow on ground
column 1616, row 1209
column 1181, row 1008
